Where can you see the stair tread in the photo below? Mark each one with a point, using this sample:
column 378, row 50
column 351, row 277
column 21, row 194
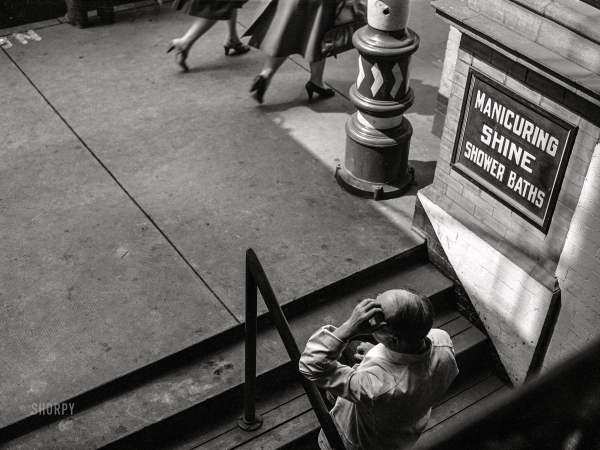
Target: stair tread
column 471, row 395
column 474, row 409
column 209, row 375
column 271, row 420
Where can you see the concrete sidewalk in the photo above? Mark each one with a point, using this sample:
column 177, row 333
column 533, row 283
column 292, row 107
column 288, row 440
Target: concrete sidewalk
column 130, row 192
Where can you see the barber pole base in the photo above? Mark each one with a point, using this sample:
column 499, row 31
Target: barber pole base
column 376, row 163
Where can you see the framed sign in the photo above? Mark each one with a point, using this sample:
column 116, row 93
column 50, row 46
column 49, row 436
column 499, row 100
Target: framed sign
column 512, row 149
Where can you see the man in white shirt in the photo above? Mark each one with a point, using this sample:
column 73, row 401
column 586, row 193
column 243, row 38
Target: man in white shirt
column 385, row 401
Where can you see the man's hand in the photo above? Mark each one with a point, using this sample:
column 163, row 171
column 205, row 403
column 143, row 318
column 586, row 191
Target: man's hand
column 362, row 350
column 366, row 318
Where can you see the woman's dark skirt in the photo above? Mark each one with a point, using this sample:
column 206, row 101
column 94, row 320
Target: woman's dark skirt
column 209, row 9
column 289, row 27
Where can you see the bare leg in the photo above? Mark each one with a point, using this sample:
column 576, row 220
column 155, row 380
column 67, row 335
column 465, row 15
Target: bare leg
column 183, row 45
column 260, row 83
column 232, row 39
column 198, row 28
column 271, row 66
column 232, row 36
column 317, row 70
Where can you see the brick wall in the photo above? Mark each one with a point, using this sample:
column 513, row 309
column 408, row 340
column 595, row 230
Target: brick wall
column 506, row 265
column 579, row 266
column 450, row 58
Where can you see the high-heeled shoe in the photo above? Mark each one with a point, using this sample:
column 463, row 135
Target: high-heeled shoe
column 238, row 48
column 180, row 56
column 323, row 92
column 258, row 88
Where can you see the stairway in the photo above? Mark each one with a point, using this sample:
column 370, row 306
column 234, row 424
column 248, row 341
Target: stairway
column 191, row 400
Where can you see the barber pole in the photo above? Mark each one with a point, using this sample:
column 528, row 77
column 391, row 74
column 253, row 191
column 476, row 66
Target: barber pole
column 378, row 135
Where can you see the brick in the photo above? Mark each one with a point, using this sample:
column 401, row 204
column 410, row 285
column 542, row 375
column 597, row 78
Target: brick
column 559, row 224
column 518, row 71
column 516, row 227
column 582, row 153
column 594, row 278
column 578, row 307
column 449, row 181
column 559, row 111
column 445, row 86
column 590, row 96
column 443, row 166
column 450, row 135
column 586, row 140
column 460, row 80
column 472, row 45
column 578, row 165
column 471, row 187
column 490, row 71
column 550, row 252
column 590, row 128
column 574, row 177
column 589, row 219
column 454, row 35
column 459, row 181
column 524, row 91
column 577, row 342
column 561, row 271
column 521, row 221
column 457, row 92
column 578, row 266
column 465, row 57
column 571, row 189
column 462, row 67
column 582, row 106
column 449, row 64
column 540, row 295
column 447, row 145
column 558, row 229
column 501, row 62
column 590, row 234
column 460, row 200
column 576, row 328
column 581, row 242
column 544, row 86
column 567, row 200
column 501, row 217
column 536, row 318
column 485, row 218
column 476, row 200
column 588, row 326
column 525, row 246
column 455, row 101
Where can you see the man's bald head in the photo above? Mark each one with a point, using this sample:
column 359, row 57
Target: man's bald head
column 408, row 314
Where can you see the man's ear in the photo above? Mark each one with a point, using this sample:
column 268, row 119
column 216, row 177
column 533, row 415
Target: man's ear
column 394, row 340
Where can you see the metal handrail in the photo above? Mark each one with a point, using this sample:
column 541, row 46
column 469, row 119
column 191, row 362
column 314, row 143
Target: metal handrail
column 257, row 279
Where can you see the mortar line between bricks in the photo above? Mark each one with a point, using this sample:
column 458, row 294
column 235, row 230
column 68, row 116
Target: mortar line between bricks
column 142, row 210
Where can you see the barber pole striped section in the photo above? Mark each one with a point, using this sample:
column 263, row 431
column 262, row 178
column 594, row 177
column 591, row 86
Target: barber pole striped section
column 382, row 80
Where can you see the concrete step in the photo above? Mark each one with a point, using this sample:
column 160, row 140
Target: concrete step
column 211, row 373
column 293, row 425
column 174, row 403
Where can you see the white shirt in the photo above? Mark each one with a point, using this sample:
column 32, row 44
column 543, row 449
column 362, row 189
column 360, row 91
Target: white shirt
column 385, row 401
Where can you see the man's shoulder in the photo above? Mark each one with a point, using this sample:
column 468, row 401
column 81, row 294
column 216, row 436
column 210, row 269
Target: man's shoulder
column 439, row 338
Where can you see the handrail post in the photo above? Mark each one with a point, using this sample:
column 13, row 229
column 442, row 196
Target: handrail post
column 262, row 282
column 250, row 420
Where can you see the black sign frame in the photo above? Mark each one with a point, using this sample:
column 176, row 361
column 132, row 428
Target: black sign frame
column 542, row 224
